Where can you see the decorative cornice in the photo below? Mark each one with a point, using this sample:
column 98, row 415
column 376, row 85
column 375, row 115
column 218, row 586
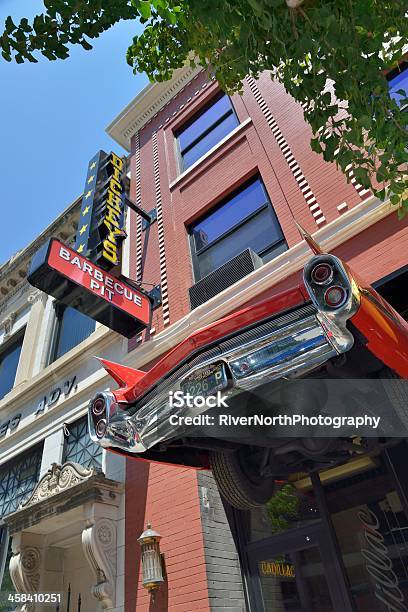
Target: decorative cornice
column 147, row 104
column 13, row 272
column 13, row 297
column 58, row 478
column 7, row 324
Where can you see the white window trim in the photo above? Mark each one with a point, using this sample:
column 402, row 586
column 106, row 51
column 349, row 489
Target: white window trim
column 219, row 144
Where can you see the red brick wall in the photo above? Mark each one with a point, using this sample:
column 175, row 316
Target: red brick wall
column 328, row 184
column 171, row 503
column 378, row 250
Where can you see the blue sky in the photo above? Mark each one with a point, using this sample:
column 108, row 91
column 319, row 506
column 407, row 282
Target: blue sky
column 53, row 117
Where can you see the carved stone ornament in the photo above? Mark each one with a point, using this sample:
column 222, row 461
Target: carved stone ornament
column 34, row 296
column 58, row 478
column 8, row 323
column 99, row 546
column 25, row 572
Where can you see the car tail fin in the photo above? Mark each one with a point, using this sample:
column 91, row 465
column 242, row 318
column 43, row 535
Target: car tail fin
column 125, row 377
column 313, row 245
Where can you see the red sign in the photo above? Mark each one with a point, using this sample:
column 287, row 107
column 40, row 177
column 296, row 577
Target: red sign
column 86, row 274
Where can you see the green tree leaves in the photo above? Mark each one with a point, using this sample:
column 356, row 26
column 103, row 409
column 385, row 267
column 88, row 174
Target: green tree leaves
column 332, row 56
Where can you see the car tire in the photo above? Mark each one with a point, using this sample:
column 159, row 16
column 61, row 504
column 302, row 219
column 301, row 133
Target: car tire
column 235, row 485
column 397, row 392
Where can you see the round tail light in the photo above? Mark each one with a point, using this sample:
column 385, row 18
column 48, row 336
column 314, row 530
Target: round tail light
column 335, row 296
column 322, row 274
column 98, row 406
column 100, row 428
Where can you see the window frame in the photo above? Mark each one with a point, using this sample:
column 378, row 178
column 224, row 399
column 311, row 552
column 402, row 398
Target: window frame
column 13, row 340
column 78, row 423
column 59, row 309
column 4, row 546
column 199, row 112
column 400, row 69
column 266, row 206
column 33, row 453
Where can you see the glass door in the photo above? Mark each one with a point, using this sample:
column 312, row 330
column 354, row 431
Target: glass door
column 371, row 526
column 295, row 572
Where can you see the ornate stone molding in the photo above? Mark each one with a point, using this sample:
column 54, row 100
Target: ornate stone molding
column 99, row 546
column 16, row 267
column 57, row 479
column 34, row 296
column 25, row 572
column 7, row 324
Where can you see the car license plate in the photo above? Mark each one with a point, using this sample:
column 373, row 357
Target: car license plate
column 207, row 381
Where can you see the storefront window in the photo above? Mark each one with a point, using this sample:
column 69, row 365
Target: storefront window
column 18, row 478
column 282, row 588
column 79, row 447
column 287, row 509
column 6, row 584
column 372, row 531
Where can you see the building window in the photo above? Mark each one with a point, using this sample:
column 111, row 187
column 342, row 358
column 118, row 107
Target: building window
column 6, row 584
column 79, row 447
column 245, row 219
column 393, row 288
column 18, row 478
column 205, row 129
column 9, row 358
column 72, row 328
column 398, row 82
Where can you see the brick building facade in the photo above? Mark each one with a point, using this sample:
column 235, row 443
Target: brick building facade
column 228, row 179
column 269, row 142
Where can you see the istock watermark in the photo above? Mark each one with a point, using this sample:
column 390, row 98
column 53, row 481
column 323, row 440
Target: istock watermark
column 178, row 399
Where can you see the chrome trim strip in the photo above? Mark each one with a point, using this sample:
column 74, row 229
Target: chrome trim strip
column 292, row 350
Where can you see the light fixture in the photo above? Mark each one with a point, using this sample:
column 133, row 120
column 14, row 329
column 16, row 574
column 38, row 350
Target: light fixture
column 335, row 296
column 152, row 563
column 322, row 273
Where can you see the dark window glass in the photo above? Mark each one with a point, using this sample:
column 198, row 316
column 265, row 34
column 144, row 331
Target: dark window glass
column 205, row 129
column 397, row 83
column 9, row 359
column 73, row 327
column 287, row 509
column 371, row 528
column 231, row 214
column 394, row 289
column 246, row 219
column 79, row 447
column 18, row 478
column 6, row 584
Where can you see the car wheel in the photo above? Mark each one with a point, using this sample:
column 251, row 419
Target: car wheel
column 239, row 480
column 396, row 389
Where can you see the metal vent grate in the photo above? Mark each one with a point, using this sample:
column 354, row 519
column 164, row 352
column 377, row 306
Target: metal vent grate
column 226, row 275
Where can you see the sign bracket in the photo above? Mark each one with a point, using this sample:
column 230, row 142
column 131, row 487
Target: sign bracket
column 154, row 294
column 147, row 217
column 153, row 217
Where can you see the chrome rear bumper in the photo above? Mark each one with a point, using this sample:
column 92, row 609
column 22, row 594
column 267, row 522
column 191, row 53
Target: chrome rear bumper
column 288, row 345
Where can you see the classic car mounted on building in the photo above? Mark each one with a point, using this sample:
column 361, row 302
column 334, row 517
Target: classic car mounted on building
column 331, row 326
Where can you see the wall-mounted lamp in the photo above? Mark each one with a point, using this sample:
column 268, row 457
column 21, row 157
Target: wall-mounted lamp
column 152, row 564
